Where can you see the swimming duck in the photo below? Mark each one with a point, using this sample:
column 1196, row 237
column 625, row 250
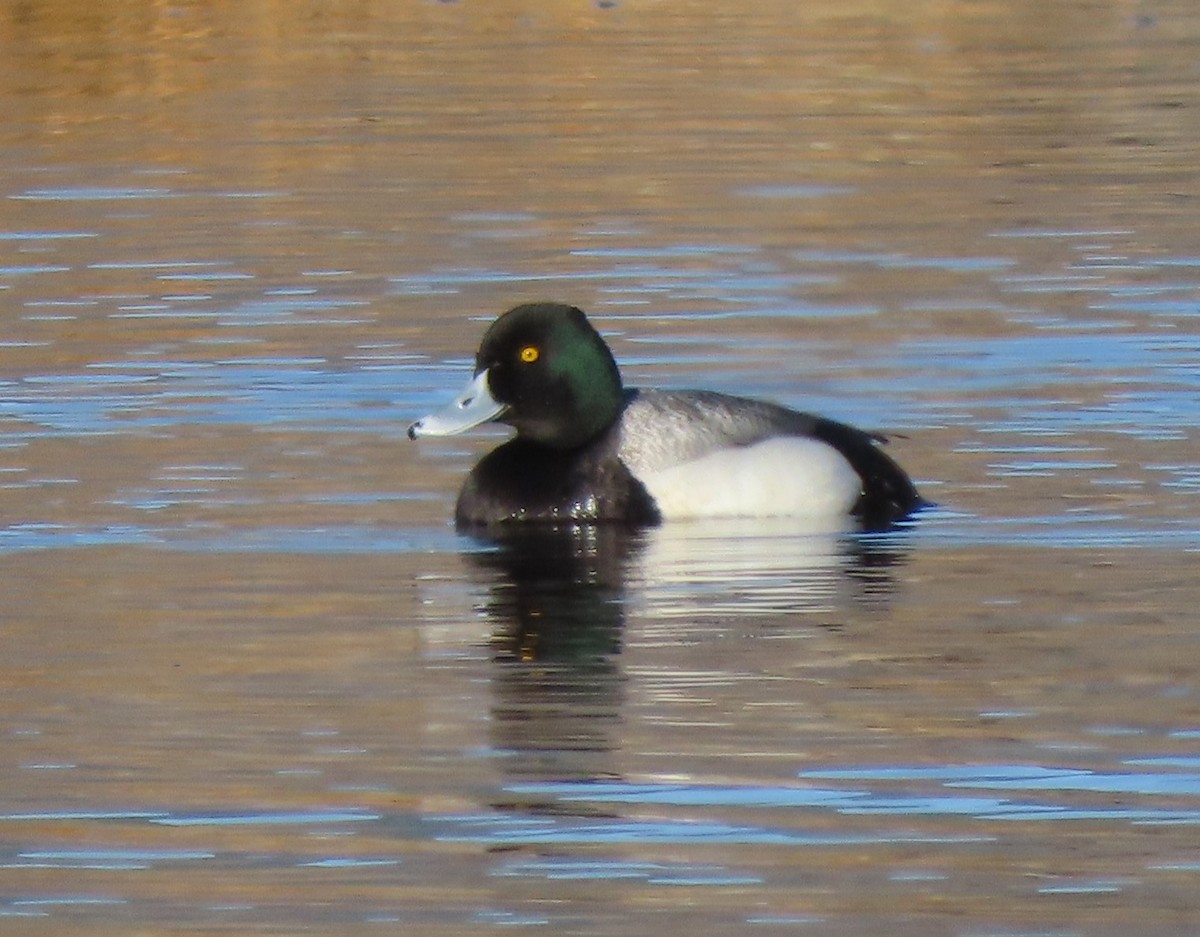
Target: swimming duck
column 589, row 449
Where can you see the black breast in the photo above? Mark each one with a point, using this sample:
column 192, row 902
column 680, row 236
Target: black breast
column 526, row 481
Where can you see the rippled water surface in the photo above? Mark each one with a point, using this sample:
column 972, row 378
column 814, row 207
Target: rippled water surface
column 253, row 681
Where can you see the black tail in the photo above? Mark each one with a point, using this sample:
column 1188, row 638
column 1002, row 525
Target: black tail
column 888, row 494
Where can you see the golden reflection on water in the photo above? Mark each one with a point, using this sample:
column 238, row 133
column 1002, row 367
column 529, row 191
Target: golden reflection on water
column 225, row 694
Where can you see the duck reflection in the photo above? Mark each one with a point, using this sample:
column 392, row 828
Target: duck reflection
column 764, row 567
column 555, row 592
column 558, row 599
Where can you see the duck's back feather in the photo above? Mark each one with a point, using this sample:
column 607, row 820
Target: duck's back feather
column 664, row 429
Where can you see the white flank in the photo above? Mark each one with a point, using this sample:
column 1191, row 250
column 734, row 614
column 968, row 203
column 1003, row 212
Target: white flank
column 782, row 476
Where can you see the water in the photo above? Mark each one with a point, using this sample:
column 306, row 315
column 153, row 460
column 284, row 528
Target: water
column 255, row 683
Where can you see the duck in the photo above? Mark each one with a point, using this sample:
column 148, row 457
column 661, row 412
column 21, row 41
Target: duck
column 588, row 449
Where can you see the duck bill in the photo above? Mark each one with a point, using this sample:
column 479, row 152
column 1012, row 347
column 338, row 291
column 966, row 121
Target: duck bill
column 473, row 406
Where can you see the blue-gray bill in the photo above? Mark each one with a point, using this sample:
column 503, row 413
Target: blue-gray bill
column 475, row 405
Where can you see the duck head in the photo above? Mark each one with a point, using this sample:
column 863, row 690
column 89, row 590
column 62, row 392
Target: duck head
column 542, row 369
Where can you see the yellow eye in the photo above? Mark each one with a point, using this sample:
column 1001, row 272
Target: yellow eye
column 530, row 354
